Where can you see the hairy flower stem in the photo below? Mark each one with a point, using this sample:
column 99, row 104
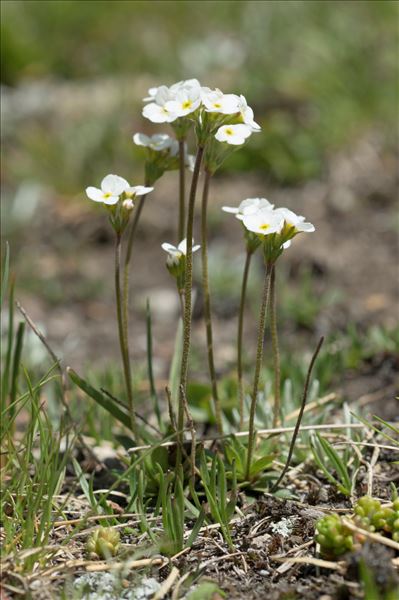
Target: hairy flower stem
column 275, row 347
column 123, row 336
column 207, row 302
column 258, row 365
column 187, row 301
column 182, row 199
column 240, row 336
column 128, row 256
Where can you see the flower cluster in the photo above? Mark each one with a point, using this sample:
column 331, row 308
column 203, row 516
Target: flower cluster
column 118, row 195
column 334, row 538
column 162, row 154
column 272, row 227
column 103, row 543
column 176, row 260
column 227, row 117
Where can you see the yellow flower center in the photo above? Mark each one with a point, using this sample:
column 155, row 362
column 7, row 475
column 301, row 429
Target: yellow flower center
column 217, row 105
column 187, row 104
column 229, row 131
column 107, row 195
column 264, row 226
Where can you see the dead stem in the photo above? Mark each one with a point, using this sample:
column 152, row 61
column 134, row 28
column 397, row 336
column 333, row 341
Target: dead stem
column 275, row 348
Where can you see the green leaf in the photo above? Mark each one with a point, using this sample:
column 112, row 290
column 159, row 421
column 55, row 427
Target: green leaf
column 104, row 401
column 6, row 270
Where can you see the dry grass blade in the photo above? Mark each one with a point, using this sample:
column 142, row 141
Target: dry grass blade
column 375, row 537
column 310, row 560
column 167, row 584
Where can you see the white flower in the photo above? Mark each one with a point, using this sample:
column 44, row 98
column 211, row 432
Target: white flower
column 216, row 101
column 264, row 221
column 157, row 142
column 233, row 134
column 185, row 94
column 112, row 186
column 248, row 207
column 186, row 84
column 294, row 220
column 137, row 190
column 157, row 113
column 186, row 101
column 247, row 113
column 179, row 251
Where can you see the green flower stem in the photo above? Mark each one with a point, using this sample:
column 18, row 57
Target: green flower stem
column 240, row 336
column 275, row 347
column 258, row 365
column 123, row 336
column 207, row 302
column 187, row 300
column 182, row 199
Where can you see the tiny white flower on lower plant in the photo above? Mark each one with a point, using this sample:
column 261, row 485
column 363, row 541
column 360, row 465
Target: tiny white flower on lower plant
column 157, row 142
column 264, row 222
column 296, row 221
column 233, row 134
column 248, row 207
column 112, row 186
column 216, row 101
column 137, row 190
column 179, row 251
column 247, row 113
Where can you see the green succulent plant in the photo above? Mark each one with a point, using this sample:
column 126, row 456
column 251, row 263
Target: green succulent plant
column 332, row 535
column 393, row 521
column 370, row 515
column 103, row 543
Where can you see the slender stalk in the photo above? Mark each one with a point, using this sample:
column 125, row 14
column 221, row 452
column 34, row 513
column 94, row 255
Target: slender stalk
column 275, row 347
column 123, row 335
column 182, row 199
column 207, row 302
column 128, row 256
column 258, row 365
column 240, row 336
column 187, row 299
column 300, row 415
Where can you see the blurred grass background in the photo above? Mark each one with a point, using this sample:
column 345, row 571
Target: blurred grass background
column 322, row 79
column 318, row 74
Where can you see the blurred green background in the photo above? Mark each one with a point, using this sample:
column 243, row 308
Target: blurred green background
column 318, row 74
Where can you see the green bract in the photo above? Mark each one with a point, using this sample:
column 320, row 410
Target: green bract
column 370, row 515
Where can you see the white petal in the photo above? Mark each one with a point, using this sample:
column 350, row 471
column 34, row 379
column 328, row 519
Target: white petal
column 139, row 190
column 158, row 114
column 110, row 200
column 95, row 194
column 140, row 139
column 230, row 209
column 169, row 248
column 197, row 247
column 183, row 246
column 113, row 184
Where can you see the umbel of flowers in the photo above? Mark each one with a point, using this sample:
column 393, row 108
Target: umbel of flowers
column 222, row 123
column 270, row 229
